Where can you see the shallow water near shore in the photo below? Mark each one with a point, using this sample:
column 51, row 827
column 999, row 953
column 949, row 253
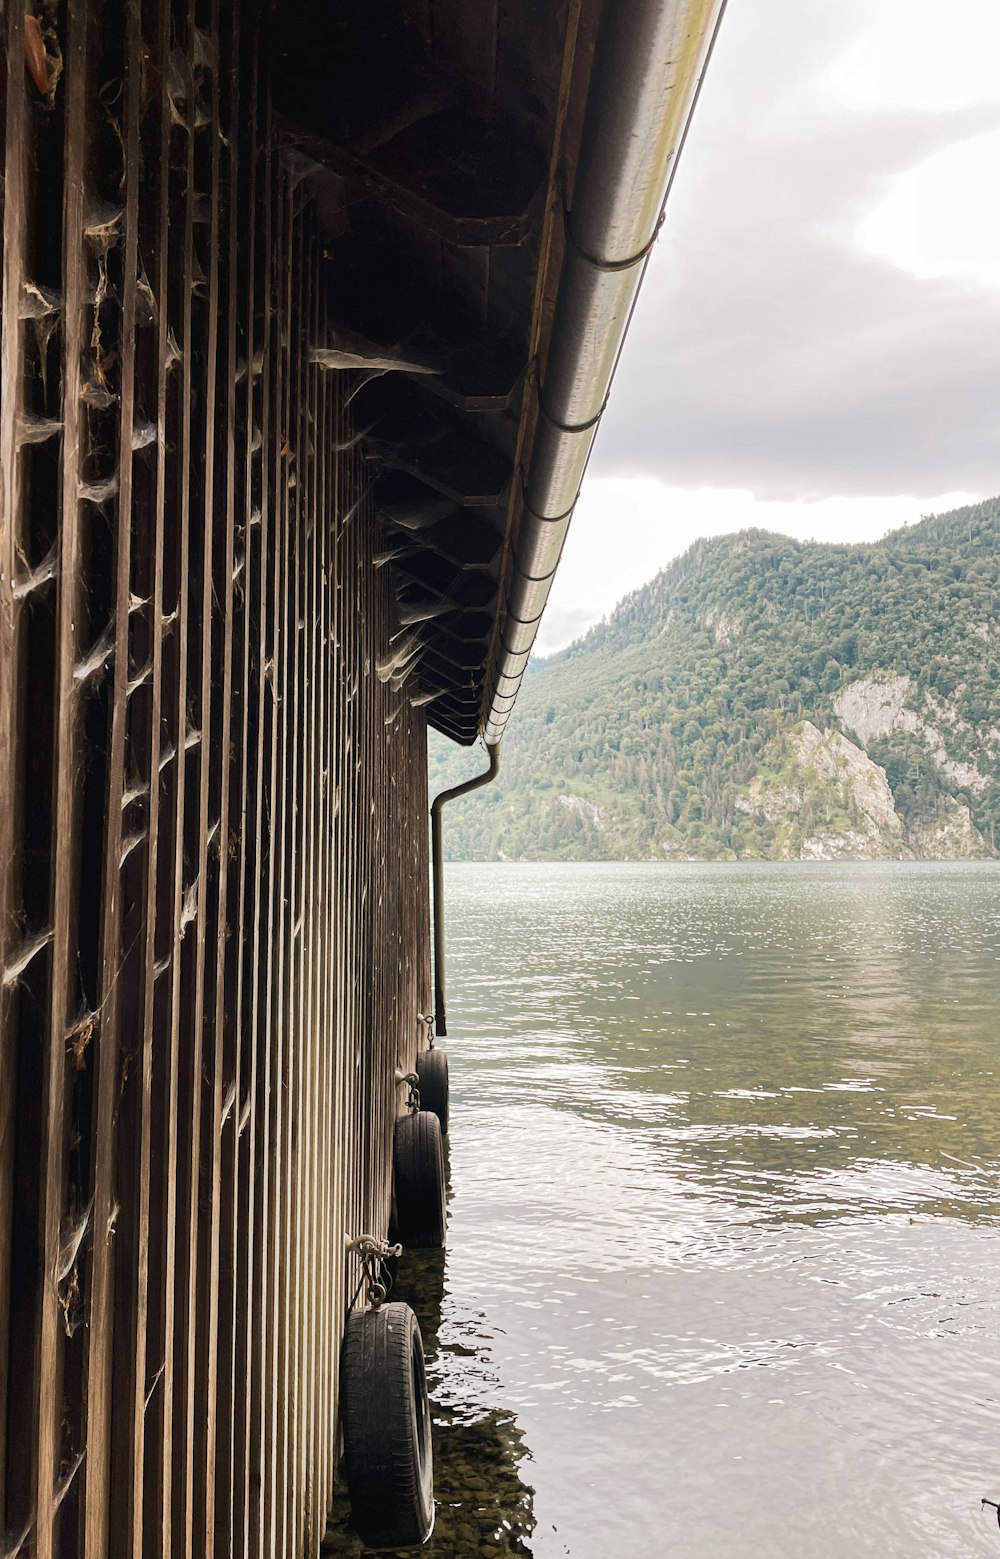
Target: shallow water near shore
column 723, row 1275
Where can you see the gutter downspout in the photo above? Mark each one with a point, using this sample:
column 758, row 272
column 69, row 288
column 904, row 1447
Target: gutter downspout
column 649, row 65
column 437, row 858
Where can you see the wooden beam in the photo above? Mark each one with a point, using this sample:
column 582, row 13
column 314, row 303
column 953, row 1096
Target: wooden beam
column 486, row 196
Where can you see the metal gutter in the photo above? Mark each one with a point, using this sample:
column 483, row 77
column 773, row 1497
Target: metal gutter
column 437, row 867
column 649, row 64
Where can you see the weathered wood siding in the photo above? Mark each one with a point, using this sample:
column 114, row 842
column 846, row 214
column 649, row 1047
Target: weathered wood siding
column 212, row 811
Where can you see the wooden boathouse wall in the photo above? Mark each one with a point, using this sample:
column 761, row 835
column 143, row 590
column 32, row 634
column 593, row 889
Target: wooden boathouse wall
column 212, row 806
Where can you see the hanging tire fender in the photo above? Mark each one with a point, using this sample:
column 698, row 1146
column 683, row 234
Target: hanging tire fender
column 418, row 1180
column 385, row 1413
column 432, row 1073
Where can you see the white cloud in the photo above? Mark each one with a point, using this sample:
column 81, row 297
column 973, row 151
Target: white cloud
column 940, row 218
column 915, row 55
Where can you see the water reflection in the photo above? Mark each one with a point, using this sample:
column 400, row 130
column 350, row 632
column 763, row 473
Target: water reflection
column 484, row 1507
column 724, row 1245
column 726, row 1157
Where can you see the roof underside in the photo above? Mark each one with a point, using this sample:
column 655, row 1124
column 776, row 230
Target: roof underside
column 426, row 131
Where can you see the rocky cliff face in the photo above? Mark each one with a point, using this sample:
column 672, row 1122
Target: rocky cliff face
column 872, row 709
column 952, row 837
column 830, row 802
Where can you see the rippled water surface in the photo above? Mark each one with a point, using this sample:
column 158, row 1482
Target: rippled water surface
column 723, row 1275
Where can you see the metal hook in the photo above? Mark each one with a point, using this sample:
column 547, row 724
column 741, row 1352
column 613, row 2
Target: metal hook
column 372, row 1253
column 411, row 1078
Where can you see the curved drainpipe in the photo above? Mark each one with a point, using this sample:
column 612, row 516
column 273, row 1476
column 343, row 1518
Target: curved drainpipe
column 437, row 860
column 649, row 64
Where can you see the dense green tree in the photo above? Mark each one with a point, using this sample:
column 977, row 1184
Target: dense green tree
column 653, row 726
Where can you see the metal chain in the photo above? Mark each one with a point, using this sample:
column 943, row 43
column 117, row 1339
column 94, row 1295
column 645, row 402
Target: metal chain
column 372, row 1253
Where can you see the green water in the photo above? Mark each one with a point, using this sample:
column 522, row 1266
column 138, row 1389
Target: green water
column 723, row 1275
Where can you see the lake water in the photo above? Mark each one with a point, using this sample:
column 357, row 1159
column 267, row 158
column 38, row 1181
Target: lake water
column 723, row 1275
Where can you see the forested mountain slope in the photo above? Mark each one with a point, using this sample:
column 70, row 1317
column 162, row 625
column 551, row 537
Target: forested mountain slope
column 764, row 697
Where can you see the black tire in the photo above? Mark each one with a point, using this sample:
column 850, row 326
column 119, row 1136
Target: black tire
column 432, row 1070
column 387, row 1427
column 418, row 1180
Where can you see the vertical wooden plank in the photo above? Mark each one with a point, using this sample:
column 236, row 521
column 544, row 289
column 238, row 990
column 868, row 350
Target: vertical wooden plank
column 336, row 1186
column 326, row 1213
column 216, row 699
column 193, row 1406
column 238, row 1125
column 307, row 918
column 291, row 1081
column 65, row 832
column 11, row 525
column 274, row 1402
column 284, row 1140
column 253, row 845
column 292, row 1163
column 105, row 1207
column 336, row 1039
column 258, row 1515
column 140, row 1275
column 364, row 1036
column 173, row 413
column 314, row 1511
column 183, row 1063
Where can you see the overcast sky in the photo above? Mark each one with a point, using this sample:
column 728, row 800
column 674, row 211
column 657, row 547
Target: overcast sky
column 817, row 346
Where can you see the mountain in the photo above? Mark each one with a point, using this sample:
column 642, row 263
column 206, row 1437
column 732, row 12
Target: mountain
column 764, row 697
